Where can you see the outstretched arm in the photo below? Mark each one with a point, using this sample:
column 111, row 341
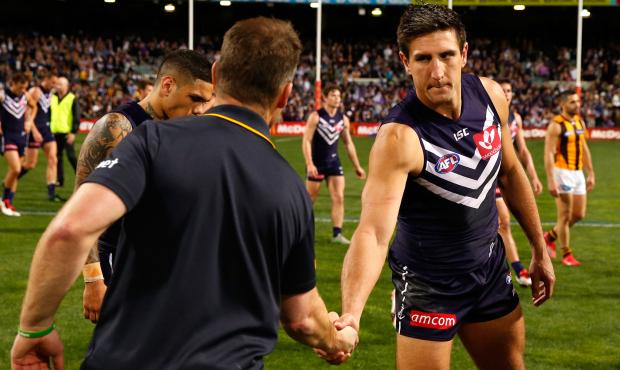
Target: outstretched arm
column 395, row 154
column 351, row 152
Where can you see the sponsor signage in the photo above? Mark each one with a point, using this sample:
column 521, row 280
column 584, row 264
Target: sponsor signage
column 593, row 133
column 439, row 321
column 370, row 129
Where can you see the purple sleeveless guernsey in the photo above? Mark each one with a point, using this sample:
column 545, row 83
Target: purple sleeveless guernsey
column 44, row 114
column 325, row 139
column 447, row 221
column 13, row 114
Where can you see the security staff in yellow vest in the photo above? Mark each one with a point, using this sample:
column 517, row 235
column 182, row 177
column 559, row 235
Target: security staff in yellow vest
column 64, row 123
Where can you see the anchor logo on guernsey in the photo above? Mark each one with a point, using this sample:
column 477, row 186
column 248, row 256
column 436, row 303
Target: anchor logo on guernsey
column 488, row 142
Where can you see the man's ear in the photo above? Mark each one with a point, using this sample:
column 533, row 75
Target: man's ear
column 166, row 86
column 213, row 75
column 404, row 60
column 284, row 94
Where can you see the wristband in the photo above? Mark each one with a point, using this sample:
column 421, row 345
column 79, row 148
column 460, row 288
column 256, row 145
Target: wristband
column 36, row 334
column 92, row 279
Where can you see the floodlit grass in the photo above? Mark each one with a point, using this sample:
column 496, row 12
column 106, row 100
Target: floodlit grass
column 578, row 329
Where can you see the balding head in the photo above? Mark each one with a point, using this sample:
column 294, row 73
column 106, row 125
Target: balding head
column 62, row 86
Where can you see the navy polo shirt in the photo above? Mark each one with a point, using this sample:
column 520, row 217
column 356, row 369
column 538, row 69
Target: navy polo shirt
column 219, row 227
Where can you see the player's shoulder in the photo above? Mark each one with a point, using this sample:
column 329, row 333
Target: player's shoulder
column 557, row 119
column 110, row 122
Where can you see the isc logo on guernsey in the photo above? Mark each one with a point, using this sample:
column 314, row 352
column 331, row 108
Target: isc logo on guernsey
column 447, row 163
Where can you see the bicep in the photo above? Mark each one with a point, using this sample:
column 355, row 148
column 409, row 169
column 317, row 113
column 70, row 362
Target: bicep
column 389, row 167
column 105, row 135
column 311, row 124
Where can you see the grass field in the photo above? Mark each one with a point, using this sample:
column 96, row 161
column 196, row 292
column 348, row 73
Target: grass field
column 578, row 329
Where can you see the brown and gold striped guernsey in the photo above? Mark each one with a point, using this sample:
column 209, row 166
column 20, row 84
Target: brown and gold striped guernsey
column 569, row 151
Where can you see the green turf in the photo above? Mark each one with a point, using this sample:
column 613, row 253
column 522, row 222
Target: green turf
column 578, row 329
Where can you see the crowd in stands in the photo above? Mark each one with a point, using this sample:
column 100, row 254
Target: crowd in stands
column 106, row 71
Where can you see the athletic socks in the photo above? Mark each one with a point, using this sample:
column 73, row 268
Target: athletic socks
column 552, row 235
column 51, row 191
column 566, row 251
column 7, row 193
column 336, row 231
column 22, row 173
column 517, row 266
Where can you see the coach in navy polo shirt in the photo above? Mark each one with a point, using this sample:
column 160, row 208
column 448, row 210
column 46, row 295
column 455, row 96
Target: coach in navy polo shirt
column 217, row 242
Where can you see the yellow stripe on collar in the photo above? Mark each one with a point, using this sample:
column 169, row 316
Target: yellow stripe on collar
column 245, row 126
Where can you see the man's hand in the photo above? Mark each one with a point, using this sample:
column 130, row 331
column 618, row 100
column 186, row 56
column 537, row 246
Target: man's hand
column 543, row 278
column 361, row 174
column 313, row 171
column 553, row 188
column 590, row 182
column 36, row 135
column 537, row 187
column 70, row 138
column 37, row 353
column 92, row 299
column 346, row 341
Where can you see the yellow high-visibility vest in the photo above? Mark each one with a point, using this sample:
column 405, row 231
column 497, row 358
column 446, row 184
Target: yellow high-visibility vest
column 62, row 114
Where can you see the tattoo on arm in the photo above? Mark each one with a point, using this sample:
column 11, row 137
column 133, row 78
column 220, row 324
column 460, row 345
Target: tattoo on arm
column 102, row 139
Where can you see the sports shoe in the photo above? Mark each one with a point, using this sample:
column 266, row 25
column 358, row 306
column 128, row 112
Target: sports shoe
column 524, row 278
column 551, row 248
column 340, row 239
column 8, row 209
column 569, row 260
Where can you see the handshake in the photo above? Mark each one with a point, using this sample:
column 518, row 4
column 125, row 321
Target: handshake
column 345, row 341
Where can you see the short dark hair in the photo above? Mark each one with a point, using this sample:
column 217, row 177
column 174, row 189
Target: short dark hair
column 43, row 73
column 564, row 95
column 331, row 87
column 19, row 78
column 186, row 66
column 423, row 19
column 142, row 84
column 258, row 56
column 506, row 81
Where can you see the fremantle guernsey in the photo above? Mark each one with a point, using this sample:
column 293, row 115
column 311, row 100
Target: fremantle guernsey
column 447, row 222
column 325, row 139
column 44, row 114
column 13, row 114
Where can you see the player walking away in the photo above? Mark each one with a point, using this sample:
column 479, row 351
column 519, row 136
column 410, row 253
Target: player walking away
column 16, row 115
column 433, row 169
column 515, row 124
column 41, row 135
column 566, row 155
column 320, row 148
column 183, row 88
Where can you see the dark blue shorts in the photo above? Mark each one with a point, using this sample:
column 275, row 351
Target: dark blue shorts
column 327, row 169
column 13, row 141
column 434, row 307
column 46, row 134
